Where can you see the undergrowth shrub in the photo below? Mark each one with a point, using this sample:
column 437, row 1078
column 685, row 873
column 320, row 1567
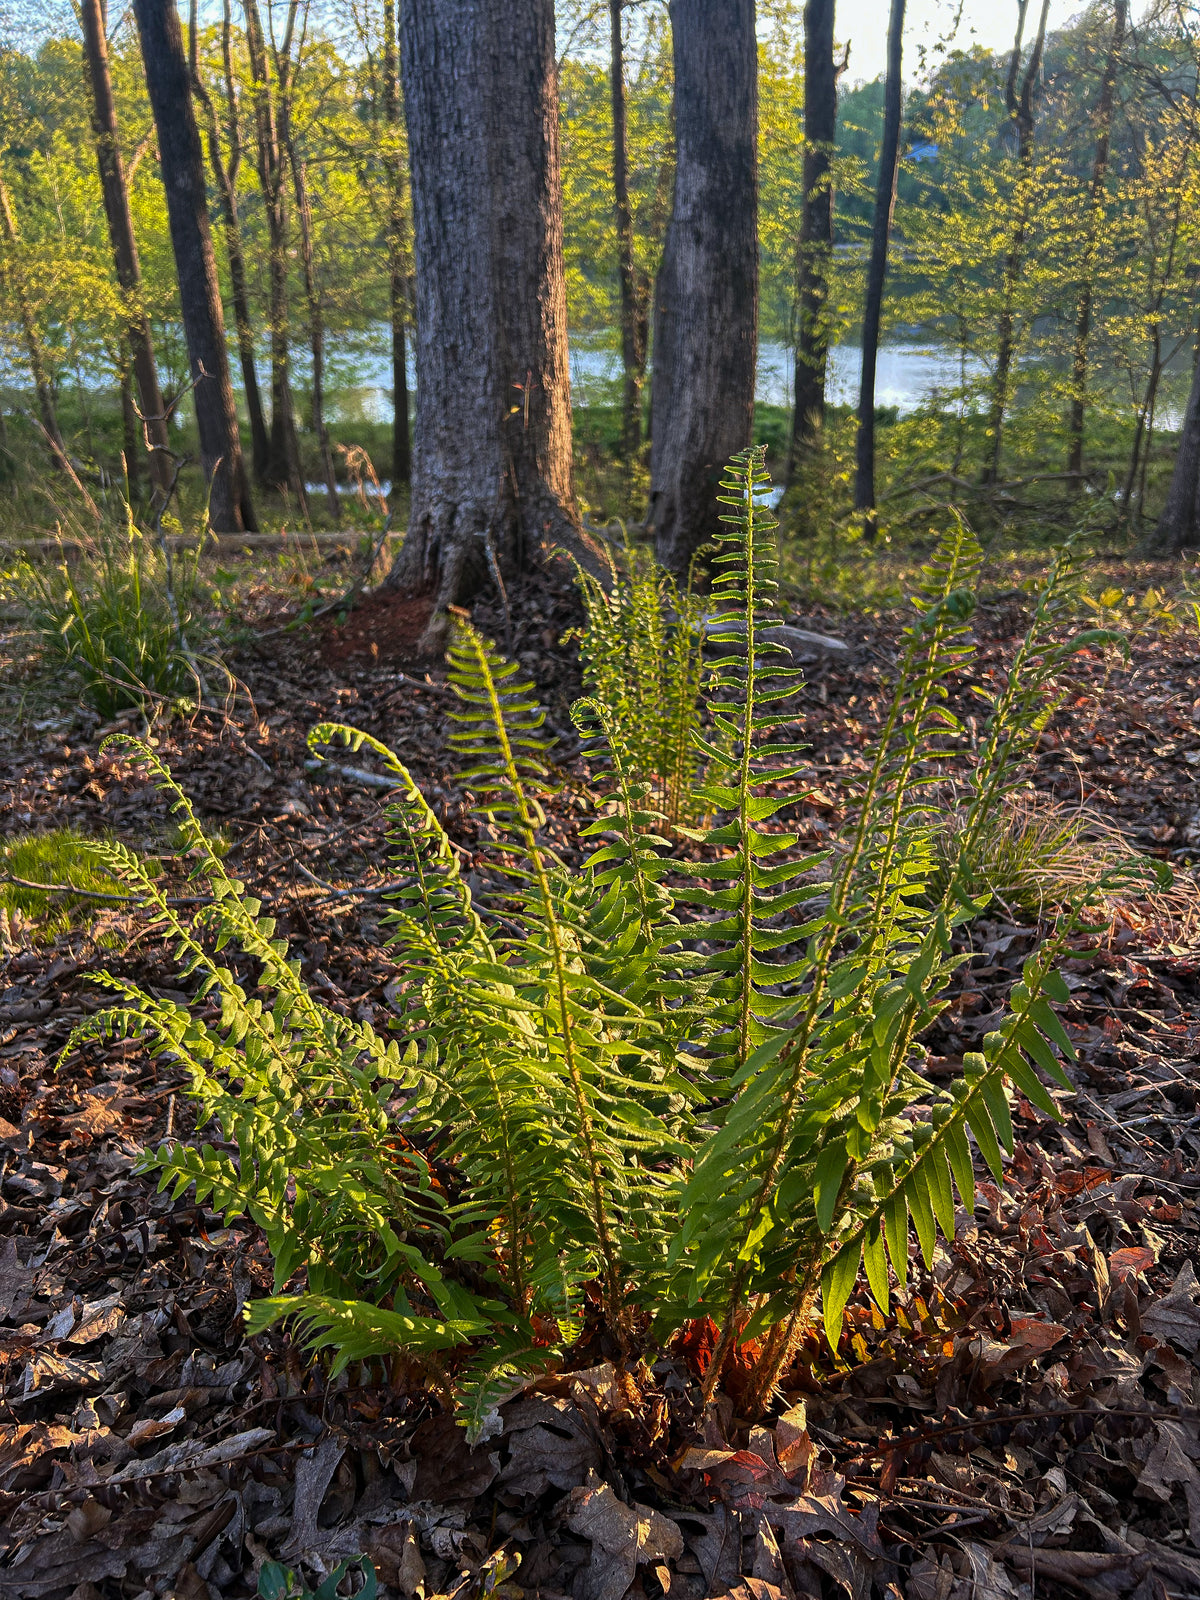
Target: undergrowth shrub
column 125, row 621
column 653, row 1089
column 1031, row 855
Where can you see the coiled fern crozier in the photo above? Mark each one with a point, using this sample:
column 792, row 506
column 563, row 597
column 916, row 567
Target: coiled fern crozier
column 656, row 1087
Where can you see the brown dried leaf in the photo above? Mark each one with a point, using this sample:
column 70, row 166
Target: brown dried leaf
column 1175, row 1316
column 622, row 1538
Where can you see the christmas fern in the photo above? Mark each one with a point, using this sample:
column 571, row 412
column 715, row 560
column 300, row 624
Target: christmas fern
column 682, row 1080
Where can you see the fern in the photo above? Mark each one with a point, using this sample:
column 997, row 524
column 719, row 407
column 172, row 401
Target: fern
column 642, row 653
column 654, row 1087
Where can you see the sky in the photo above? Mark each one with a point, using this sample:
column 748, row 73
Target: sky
column 991, row 23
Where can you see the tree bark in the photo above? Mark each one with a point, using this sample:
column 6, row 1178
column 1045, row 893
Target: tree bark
column 284, row 453
column 397, row 285
column 129, row 430
column 1179, row 524
column 1020, row 110
column 182, row 164
column 316, row 321
column 10, row 272
column 226, row 175
column 881, row 233
column 633, row 314
column 124, row 244
column 706, row 316
column 492, row 460
column 1083, row 320
column 816, row 228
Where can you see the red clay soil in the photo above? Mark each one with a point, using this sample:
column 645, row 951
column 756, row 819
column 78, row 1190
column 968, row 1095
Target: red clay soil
column 383, row 627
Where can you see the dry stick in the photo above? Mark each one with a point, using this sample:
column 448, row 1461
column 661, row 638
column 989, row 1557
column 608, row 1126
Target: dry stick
column 60, row 456
column 329, row 892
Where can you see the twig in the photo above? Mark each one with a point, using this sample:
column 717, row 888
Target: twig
column 60, row 456
column 373, row 780
column 328, row 892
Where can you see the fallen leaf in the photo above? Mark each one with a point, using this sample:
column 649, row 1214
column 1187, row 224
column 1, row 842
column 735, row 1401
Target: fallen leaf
column 314, row 1470
column 1130, row 1263
column 623, row 1537
column 1169, row 1464
column 396, row 1554
column 1175, row 1316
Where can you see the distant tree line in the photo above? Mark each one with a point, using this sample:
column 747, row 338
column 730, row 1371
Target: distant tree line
column 677, row 180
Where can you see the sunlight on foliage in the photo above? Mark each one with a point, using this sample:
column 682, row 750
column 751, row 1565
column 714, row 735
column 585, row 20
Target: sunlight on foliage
column 62, row 858
column 126, row 622
column 652, row 1089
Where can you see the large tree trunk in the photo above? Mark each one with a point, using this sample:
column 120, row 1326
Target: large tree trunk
column 182, row 164
column 397, row 284
column 706, row 317
column 12, row 275
column 1083, row 321
column 284, row 454
column 492, row 459
column 124, row 244
column 633, row 321
column 1020, row 110
column 816, row 227
column 226, row 174
column 1179, row 524
column 881, row 233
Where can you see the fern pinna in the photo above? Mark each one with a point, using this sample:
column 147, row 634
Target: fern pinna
column 661, row 1085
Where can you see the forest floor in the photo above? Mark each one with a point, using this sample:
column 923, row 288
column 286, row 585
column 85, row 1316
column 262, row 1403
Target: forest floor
column 1024, row 1422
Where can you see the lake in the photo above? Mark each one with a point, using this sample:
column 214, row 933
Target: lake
column 909, row 375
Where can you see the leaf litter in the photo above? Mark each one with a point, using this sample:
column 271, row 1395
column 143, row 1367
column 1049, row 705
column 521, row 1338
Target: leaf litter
column 1025, row 1420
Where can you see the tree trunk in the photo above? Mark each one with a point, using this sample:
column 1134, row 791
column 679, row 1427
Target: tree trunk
column 1020, row 110
column 1083, row 321
column 706, row 316
column 881, row 233
column 124, row 244
column 12, row 274
column 633, row 326
column 816, row 228
column 492, row 460
column 182, row 164
column 1179, row 524
column 316, row 322
column 283, row 458
column 129, row 430
column 397, row 287
column 226, row 174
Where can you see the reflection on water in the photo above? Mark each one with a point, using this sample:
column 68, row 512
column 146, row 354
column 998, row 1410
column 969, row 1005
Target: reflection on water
column 908, row 375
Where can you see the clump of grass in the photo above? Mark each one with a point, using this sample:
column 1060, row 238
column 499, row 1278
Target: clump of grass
column 1031, row 854
column 63, row 859
column 127, row 623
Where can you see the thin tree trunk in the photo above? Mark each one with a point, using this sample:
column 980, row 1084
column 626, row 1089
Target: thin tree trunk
column 1020, row 110
column 816, row 228
column 1179, row 524
column 226, row 174
column 284, row 455
column 1083, row 321
column 123, row 242
column 182, row 162
column 11, row 272
column 633, row 327
column 492, row 460
column 881, row 232
column 706, row 319
column 397, row 286
column 316, row 324
column 129, row 430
